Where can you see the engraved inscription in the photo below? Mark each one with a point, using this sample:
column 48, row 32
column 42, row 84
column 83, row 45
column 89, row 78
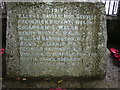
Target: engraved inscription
column 55, row 36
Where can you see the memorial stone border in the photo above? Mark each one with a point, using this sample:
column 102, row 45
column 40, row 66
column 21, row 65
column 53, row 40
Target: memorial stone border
column 57, row 39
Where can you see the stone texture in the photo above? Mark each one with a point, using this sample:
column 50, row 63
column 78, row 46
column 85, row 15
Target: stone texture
column 110, row 81
column 56, row 39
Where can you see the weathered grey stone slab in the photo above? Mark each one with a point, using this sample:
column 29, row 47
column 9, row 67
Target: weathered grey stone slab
column 57, row 39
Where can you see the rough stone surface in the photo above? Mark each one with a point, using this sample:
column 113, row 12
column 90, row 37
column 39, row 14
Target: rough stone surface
column 56, row 39
column 111, row 81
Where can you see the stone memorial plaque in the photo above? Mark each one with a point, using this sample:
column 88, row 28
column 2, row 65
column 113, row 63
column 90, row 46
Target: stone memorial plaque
column 57, row 39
